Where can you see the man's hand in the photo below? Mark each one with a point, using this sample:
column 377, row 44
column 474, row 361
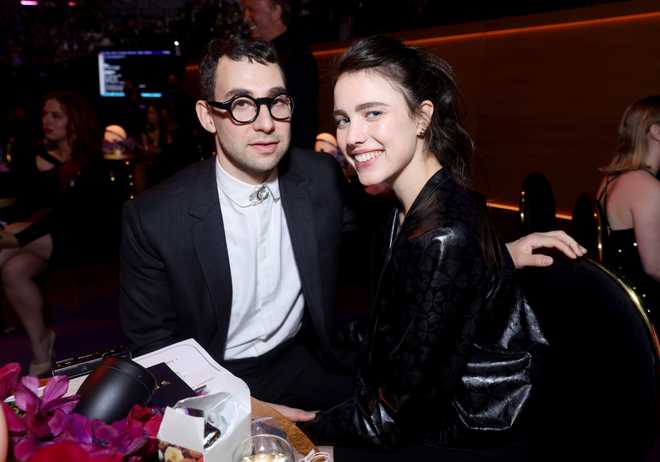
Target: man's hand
column 7, row 240
column 521, row 250
column 291, row 413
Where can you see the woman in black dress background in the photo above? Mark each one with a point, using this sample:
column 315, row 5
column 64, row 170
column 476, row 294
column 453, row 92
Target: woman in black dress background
column 67, row 214
column 630, row 197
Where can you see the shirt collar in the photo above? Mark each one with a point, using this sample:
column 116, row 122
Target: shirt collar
column 241, row 193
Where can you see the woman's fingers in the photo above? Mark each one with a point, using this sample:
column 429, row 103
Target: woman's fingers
column 522, row 250
column 559, row 240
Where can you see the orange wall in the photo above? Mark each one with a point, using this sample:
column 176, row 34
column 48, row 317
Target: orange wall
column 545, row 92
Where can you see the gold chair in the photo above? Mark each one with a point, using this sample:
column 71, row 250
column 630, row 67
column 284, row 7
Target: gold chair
column 588, row 226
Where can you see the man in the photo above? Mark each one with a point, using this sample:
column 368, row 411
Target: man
column 270, row 20
column 240, row 251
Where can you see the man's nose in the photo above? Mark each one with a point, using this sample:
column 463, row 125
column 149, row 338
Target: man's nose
column 264, row 121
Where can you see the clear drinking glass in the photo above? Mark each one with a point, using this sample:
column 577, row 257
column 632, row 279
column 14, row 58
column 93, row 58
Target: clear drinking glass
column 264, row 448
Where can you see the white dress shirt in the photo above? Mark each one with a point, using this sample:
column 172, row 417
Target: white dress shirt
column 267, row 300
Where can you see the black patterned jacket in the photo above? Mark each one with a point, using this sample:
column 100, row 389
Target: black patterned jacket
column 452, row 348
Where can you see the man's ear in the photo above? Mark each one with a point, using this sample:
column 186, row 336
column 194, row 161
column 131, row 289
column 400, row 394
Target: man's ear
column 424, row 116
column 204, row 116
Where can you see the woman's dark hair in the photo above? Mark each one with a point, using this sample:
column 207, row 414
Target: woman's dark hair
column 421, row 76
column 82, row 130
column 235, row 49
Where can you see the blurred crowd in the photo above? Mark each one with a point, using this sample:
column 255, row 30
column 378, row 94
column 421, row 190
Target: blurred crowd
column 57, row 31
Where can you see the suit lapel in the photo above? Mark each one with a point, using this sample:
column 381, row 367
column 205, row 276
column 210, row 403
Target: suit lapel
column 297, row 205
column 210, row 243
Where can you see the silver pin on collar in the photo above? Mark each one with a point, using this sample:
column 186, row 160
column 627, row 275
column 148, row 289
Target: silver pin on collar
column 260, row 195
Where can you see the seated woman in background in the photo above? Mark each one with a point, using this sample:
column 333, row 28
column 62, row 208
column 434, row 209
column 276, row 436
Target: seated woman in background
column 630, row 196
column 448, row 320
column 67, row 214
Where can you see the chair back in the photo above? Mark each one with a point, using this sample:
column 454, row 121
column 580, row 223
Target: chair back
column 537, row 204
column 599, row 398
column 588, row 227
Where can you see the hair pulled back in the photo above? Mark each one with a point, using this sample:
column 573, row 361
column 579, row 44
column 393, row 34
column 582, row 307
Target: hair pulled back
column 421, row 76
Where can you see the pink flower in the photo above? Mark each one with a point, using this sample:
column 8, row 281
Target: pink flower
column 8, row 379
column 44, row 416
column 78, row 428
column 14, row 424
column 146, row 418
column 71, row 452
column 46, row 428
column 25, row 447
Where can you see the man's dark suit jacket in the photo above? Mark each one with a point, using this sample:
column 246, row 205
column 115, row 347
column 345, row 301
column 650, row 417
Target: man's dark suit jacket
column 175, row 274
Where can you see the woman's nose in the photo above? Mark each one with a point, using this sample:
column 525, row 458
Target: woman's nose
column 355, row 134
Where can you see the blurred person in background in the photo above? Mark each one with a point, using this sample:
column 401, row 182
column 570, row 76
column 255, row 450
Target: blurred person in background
column 630, row 197
column 67, row 214
column 271, row 20
column 326, row 142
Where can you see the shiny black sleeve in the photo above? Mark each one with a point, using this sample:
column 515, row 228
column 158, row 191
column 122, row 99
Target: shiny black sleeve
column 423, row 331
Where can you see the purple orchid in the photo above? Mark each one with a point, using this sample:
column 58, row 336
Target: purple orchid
column 44, row 417
column 44, row 424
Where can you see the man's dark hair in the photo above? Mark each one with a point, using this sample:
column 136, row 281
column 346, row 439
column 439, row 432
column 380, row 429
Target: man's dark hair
column 235, row 49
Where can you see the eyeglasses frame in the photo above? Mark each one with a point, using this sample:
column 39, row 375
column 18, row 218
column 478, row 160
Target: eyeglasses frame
column 265, row 101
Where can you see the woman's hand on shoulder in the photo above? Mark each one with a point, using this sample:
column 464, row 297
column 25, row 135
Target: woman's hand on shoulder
column 521, row 250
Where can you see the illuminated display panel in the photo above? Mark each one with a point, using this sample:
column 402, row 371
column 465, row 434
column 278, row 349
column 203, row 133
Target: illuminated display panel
column 147, row 69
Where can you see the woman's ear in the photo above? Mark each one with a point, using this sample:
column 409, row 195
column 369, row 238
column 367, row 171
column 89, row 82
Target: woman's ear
column 276, row 14
column 424, row 116
column 204, row 116
column 654, row 131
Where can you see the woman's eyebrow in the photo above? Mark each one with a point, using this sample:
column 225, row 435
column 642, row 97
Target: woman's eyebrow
column 361, row 107
column 369, row 105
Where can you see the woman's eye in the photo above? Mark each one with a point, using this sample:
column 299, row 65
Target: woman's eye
column 373, row 114
column 341, row 122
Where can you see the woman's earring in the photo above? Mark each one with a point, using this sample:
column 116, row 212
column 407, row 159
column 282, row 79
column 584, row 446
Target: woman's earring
column 421, row 132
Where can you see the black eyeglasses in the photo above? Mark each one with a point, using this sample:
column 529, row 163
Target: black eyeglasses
column 244, row 109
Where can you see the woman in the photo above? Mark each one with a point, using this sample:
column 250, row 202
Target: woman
column 630, row 196
column 447, row 317
column 65, row 211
